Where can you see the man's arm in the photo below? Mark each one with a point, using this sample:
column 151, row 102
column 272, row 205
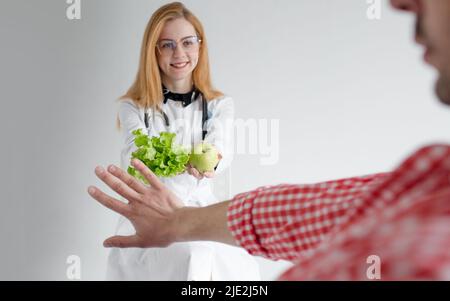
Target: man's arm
column 157, row 214
column 278, row 222
column 204, row 223
column 288, row 221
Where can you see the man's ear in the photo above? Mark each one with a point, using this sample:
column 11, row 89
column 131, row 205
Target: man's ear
column 413, row 6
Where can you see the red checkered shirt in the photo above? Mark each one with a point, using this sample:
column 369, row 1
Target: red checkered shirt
column 336, row 230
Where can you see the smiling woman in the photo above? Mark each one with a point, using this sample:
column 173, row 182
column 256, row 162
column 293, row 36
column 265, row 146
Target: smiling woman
column 178, row 54
column 174, row 82
column 171, row 23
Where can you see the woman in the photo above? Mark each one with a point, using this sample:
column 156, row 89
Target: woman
column 173, row 93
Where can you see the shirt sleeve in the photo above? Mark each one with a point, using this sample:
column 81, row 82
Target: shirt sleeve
column 287, row 221
column 402, row 224
column 131, row 118
column 220, row 127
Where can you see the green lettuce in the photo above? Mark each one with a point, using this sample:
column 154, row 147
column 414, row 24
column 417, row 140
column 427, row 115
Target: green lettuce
column 160, row 154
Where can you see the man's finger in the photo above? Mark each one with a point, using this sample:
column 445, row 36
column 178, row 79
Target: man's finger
column 148, row 174
column 117, row 185
column 129, row 180
column 123, row 242
column 109, row 202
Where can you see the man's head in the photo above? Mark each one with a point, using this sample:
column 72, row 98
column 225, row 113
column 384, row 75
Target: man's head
column 433, row 32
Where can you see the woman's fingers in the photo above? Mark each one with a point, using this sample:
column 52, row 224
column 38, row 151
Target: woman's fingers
column 127, row 179
column 148, row 174
column 209, row 174
column 109, row 202
column 117, row 185
column 197, row 174
column 189, row 170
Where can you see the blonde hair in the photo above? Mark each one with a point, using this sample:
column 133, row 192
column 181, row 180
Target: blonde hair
column 146, row 91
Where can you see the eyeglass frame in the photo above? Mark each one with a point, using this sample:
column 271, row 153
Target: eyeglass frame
column 199, row 41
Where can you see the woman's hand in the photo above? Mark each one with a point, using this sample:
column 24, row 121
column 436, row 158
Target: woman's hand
column 151, row 209
column 198, row 175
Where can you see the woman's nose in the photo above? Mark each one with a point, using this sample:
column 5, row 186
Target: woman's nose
column 179, row 51
column 407, row 5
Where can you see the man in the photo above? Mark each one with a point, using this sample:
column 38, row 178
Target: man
column 331, row 230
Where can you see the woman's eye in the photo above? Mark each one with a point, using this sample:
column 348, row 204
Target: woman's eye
column 188, row 43
column 167, row 46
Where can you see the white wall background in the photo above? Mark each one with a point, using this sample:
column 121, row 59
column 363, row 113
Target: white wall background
column 352, row 97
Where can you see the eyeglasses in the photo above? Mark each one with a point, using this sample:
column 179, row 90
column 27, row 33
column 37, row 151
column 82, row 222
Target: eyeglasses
column 189, row 44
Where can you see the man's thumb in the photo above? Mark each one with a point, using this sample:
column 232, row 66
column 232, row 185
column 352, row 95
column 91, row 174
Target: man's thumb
column 122, row 242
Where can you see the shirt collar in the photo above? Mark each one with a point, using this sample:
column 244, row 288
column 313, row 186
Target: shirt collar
column 185, row 98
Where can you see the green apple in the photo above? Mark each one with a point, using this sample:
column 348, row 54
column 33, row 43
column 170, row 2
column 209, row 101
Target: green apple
column 204, row 157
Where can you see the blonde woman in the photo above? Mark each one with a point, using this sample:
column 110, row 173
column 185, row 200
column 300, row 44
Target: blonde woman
column 173, row 93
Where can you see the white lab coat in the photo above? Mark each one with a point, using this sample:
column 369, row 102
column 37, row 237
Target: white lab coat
column 199, row 261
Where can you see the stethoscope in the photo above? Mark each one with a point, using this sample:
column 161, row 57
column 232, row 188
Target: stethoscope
column 169, row 95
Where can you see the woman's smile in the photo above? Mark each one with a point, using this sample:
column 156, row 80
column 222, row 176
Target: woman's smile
column 180, row 65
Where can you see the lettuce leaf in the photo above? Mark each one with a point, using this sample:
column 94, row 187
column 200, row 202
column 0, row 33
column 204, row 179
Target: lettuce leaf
column 160, row 154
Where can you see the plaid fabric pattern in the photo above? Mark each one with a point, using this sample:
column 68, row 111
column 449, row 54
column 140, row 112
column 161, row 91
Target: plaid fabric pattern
column 330, row 229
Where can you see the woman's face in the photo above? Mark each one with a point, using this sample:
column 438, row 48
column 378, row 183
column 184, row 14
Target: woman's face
column 177, row 63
